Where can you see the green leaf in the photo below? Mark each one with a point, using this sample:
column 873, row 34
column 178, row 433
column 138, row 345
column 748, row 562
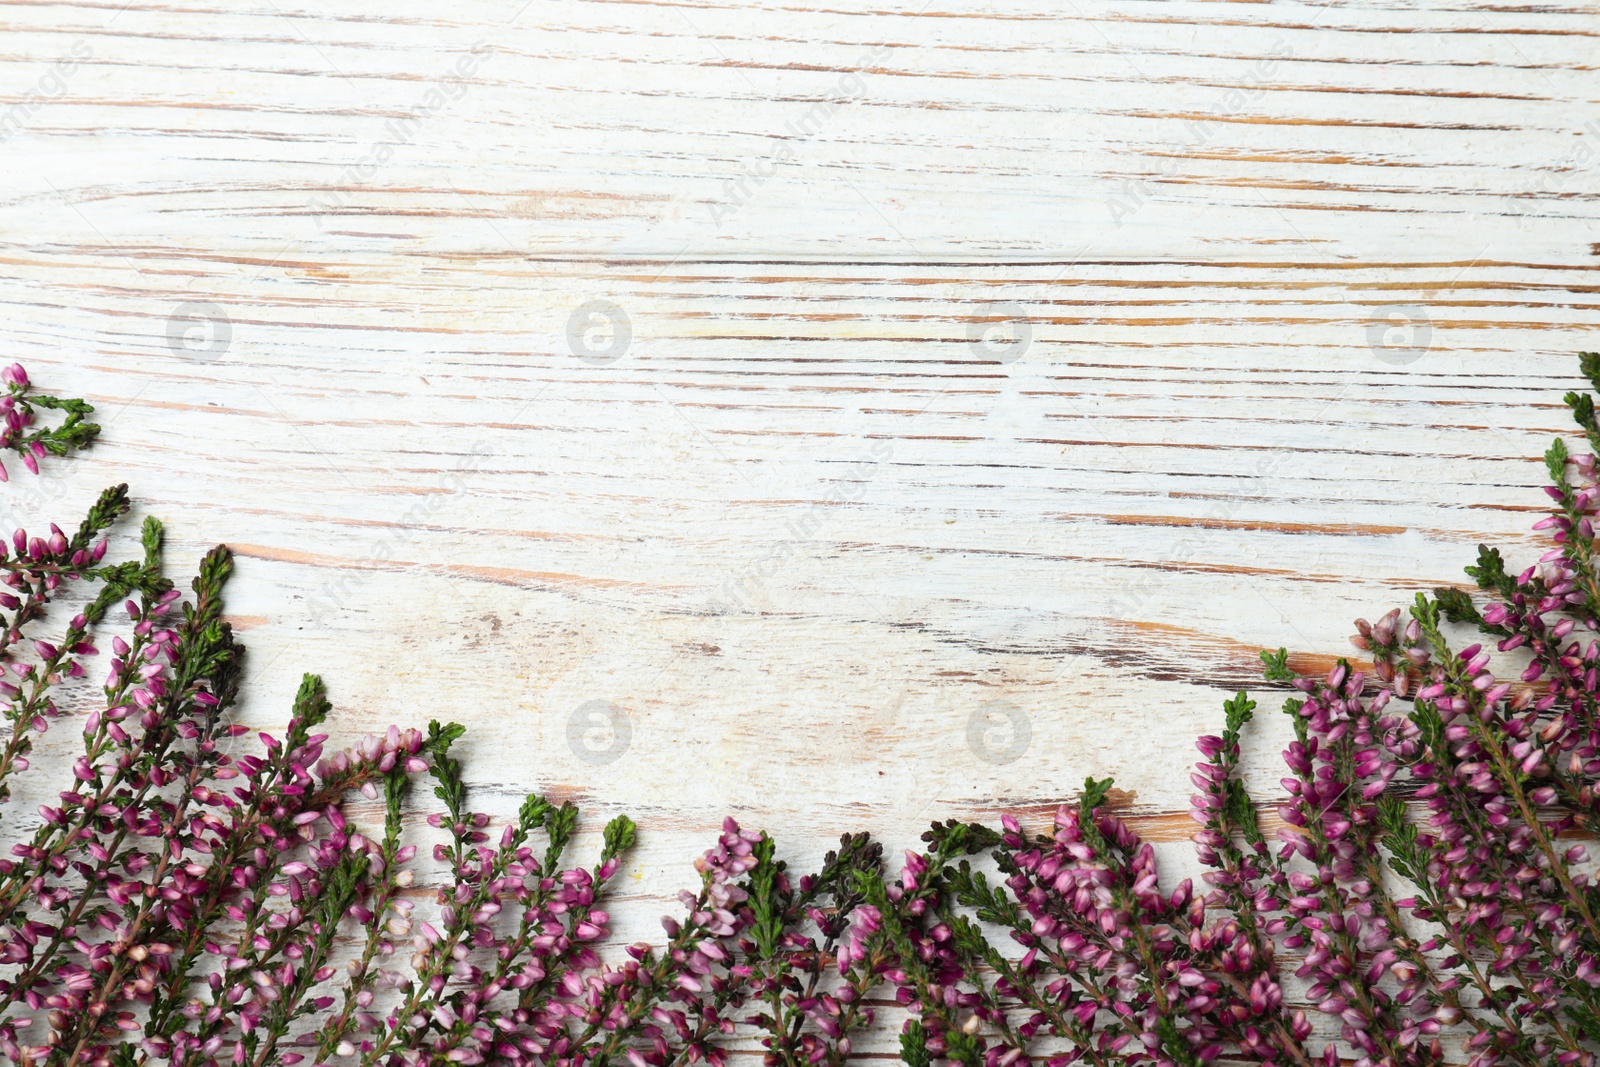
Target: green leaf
column 1240, row 808
column 1277, row 665
column 1399, row 836
column 395, row 784
column 1239, row 710
column 962, row 1047
column 1457, row 606
column 621, row 833
column 440, row 738
column 534, row 812
column 150, row 538
column 1094, row 795
column 1174, row 1044
column 914, row 1045
column 1555, row 461
column 445, row 769
column 559, row 825
column 1582, row 404
column 1490, row 571
column 311, row 709
column 111, row 505
column 1095, row 792
column 955, row 838
column 1589, row 367
column 767, row 899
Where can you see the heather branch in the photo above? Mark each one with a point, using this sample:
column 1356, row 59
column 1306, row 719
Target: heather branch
column 204, row 677
column 1460, row 683
column 359, row 993
column 19, row 407
column 1407, row 859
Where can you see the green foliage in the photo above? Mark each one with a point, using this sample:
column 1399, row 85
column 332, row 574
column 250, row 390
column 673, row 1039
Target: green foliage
column 620, row 835
column 1277, row 665
column 111, row 505
column 1456, row 606
column 75, row 431
column 1174, row 1044
column 990, row 904
column 768, row 902
column 956, row 838
column 395, row 785
column 914, row 1045
column 1555, row 461
column 1582, row 404
column 446, row 769
column 560, row 824
column 1237, row 711
column 1400, row 838
column 1094, row 795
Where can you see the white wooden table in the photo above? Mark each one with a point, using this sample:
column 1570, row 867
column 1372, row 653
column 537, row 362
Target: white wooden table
column 997, row 378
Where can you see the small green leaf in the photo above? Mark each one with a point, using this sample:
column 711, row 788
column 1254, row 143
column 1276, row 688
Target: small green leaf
column 1277, row 665
column 621, row 833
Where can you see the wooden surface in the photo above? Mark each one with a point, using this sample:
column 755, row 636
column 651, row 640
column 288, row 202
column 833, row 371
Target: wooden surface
column 828, row 550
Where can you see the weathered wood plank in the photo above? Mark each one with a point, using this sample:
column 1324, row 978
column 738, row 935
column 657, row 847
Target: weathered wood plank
column 766, row 516
column 995, row 128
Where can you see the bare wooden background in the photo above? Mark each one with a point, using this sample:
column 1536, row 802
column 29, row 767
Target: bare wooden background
column 998, row 377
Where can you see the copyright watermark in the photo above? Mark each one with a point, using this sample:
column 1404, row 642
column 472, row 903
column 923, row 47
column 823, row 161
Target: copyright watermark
column 999, row 732
column 599, row 732
column 1399, row 335
column 199, row 329
column 599, row 333
column 1000, row 332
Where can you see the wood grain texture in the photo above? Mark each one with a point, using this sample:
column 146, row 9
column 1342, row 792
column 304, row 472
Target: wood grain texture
column 838, row 556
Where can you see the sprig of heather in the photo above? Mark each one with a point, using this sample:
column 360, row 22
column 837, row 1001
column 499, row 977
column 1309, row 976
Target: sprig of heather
column 33, row 570
column 797, row 930
column 32, row 577
column 152, row 821
column 19, row 410
column 381, row 919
